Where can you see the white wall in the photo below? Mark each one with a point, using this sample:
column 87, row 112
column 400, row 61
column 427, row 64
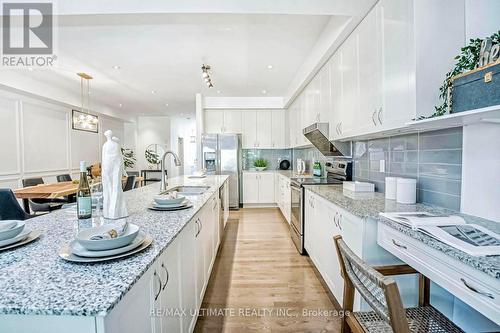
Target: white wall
column 151, row 130
column 183, row 128
column 481, row 154
column 36, row 139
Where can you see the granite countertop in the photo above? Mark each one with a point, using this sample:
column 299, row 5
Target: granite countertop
column 369, row 205
column 34, row 280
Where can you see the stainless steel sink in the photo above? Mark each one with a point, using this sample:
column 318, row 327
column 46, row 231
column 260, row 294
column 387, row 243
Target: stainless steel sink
column 188, row 190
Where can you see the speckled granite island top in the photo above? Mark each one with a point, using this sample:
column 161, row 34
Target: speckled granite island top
column 35, row 281
column 369, row 205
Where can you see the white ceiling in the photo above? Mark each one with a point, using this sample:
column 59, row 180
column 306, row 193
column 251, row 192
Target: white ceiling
column 164, row 52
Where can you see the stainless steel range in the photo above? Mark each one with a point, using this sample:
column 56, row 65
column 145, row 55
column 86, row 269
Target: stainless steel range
column 336, row 172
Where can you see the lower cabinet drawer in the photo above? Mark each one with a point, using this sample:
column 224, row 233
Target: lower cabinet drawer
column 473, row 287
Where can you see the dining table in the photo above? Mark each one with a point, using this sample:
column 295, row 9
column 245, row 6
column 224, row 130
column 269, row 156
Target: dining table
column 51, row 191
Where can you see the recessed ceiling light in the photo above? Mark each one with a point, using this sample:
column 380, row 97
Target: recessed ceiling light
column 166, row 104
column 269, row 66
column 153, row 92
column 218, row 91
column 120, row 105
column 116, row 67
column 264, row 91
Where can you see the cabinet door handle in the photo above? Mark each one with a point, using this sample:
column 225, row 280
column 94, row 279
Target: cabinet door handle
column 201, row 225
column 335, row 219
column 340, row 127
column 399, row 245
column 340, row 221
column 337, row 129
column 474, row 289
column 198, row 228
column 168, row 275
column 378, row 115
column 159, row 289
column 373, row 118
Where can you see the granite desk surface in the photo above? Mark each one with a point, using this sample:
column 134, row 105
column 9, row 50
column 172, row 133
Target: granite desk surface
column 34, row 280
column 369, row 205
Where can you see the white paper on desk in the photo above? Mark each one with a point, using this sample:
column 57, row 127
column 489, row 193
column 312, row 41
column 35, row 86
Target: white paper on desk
column 416, row 220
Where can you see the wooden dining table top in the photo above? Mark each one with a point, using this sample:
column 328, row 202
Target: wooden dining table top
column 53, row 190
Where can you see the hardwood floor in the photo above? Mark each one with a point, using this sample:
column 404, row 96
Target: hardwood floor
column 260, row 283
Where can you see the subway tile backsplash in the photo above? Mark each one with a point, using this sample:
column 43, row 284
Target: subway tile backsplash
column 433, row 158
column 272, row 156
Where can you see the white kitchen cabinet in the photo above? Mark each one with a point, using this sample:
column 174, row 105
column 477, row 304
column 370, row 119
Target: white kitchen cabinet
column 324, row 94
column 170, row 298
column 223, row 121
column 188, row 267
column 350, row 85
column 214, row 121
column 278, row 132
column 258, row 188
column 283, row 195
column 369, row 38
column 336, row 102
column 249, row 129
column 264, row 129
column 232, row 121
column 266, row 188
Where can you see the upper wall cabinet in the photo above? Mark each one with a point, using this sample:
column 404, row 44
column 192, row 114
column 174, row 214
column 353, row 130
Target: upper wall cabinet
column 264, row 129
column 387, row 72
column 223, row 121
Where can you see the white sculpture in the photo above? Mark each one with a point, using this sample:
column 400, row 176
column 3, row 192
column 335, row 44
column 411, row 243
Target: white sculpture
column 112, row 170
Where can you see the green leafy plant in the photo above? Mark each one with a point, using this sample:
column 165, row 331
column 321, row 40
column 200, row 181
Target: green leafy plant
column 260, row 163
column 466, row 61
column 152, row 157
column 128, row 158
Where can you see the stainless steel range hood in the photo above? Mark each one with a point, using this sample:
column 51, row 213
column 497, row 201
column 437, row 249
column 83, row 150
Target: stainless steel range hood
column 317, row 133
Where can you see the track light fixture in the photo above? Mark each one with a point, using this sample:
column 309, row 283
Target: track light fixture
column 205, row 74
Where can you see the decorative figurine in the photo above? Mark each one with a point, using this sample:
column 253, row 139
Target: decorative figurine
column 112, row 170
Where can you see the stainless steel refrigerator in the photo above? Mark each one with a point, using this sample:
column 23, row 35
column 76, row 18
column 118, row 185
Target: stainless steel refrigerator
column 221, row 155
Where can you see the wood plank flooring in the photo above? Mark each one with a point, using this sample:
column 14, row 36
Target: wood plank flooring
column 260, row 283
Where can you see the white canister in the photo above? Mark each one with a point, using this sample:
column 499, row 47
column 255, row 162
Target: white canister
column 390, row 188
column 406, row 192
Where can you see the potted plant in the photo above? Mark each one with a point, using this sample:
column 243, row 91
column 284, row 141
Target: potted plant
column 128, row 158
column 260, row 164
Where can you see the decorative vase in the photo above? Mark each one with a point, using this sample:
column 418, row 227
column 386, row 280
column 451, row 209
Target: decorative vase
column 260, row 168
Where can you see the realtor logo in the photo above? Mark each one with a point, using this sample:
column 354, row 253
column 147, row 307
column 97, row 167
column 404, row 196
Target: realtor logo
column 27, row 34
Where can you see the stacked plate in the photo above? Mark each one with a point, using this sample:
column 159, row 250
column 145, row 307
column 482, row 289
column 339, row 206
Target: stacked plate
column 13, row 233
column 105, row 243
column 170, row 202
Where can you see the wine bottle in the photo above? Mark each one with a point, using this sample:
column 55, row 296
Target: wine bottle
column 83, row 197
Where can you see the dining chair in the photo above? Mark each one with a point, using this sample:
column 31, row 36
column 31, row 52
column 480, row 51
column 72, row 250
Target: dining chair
column 66, row 178
column 129, row 183
column 42, row 205
column 10, row 208
column 381, row 292
column 63, row 178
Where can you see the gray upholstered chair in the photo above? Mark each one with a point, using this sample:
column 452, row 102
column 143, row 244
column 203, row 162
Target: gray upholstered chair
column 66, row 178
column 381, row 292
column 9, row 206
column 129, row 183
column 42, row 205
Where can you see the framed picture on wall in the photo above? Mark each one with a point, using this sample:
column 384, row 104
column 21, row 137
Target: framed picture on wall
column 83, row 121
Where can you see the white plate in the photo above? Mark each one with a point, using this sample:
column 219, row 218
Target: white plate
column 65, row 253
column 79, row 250
column 167, row 209
column 27, row 239
column 12, row 232
column 18, row 238
column 181, row 204
column 83, row 237
column 166, row 200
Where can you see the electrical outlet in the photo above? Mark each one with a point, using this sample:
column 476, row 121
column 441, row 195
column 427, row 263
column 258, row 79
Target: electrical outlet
column 382, row 166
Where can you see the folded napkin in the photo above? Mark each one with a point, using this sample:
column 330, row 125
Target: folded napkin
column 7, row 225
column 111, row 233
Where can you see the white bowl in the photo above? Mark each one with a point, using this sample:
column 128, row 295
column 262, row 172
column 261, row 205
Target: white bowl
column 13, row 232
column 83, row 237
column 167, row 200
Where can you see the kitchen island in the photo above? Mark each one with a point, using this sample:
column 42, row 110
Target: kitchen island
column 40, row 292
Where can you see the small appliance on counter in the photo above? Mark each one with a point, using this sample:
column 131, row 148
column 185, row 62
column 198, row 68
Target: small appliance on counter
column 285, row 165
column 336, row 173
column 358, row 186
column 301, row 166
